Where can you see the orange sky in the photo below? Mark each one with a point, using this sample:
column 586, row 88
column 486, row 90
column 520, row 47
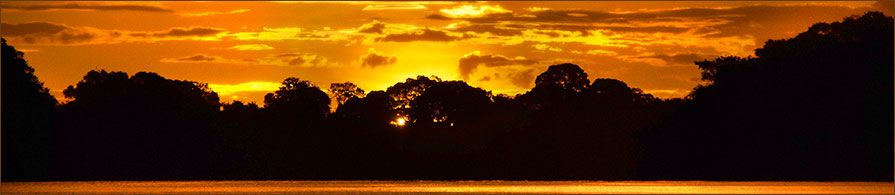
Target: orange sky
column 244, row 49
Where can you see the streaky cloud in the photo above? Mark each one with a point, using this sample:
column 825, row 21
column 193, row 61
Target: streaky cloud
column 471, row 61
column 76, row 6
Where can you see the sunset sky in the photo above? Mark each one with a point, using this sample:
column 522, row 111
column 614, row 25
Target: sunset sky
column 244, row 49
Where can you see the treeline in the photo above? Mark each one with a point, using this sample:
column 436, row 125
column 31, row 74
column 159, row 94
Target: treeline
column 814, row 107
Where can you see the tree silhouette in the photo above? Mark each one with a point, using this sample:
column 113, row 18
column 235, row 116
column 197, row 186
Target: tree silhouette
column 813, row 107
column 360, row 135
column 448, row 103
column 28, row 110
column 344, row 91
column 403, row 93
column 116, row 123
column 816, row 106
column 238, row 106
column 299, row 100
column 556, row 85
column 563, row 77
column 295, row 124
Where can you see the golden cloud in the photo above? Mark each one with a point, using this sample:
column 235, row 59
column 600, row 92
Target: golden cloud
column 546, row 47
column 251, row 47
column 380, row 7
column 290, row 33
column 212, row 13
column 467, row 11
column 601, row 52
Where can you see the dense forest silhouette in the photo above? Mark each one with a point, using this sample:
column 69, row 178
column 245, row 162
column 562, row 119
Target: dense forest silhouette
column 814, row 107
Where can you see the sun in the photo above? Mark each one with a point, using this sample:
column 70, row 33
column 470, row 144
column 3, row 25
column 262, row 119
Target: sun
column 400, row 121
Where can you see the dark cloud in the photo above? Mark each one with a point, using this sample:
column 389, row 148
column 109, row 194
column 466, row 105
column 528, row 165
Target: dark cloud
column 678, row 59
column 471, row 61
column 523, row 79
column 186, row 32
column 553, row 34
column 585, row 16
column 496, row 30
column 513, row 30
column 422, row 35
column 651, row 29
column 584, row 29
column 198, row 58
column 887, row 7
column 758, row 20
column 374, row 27
column 374, row 59
column 754, row 21
column 297, row 61
column 485, row 79
column 75, row 37
column 75, row 6
column 317, row 60
column 488, row 28
column 12, row 30
column 302, row 59
column 46, row 32
column 181, row 32
column 287, row 55
column 438, row 17
column 558, row 16
column 568, row 20
column 34, row 31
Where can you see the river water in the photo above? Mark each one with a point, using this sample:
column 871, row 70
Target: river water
column 442, row 187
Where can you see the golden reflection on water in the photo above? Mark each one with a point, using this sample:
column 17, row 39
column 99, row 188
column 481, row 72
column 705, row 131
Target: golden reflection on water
column 479, row 187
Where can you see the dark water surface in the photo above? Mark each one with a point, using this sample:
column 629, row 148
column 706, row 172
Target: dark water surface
column 441, row 187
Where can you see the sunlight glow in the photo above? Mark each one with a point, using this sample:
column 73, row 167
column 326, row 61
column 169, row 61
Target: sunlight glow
column 226, row 89
column 400, row 121
column 601, row 52
column 251, row 47
column 218, row 41
column 394, row 7
column 212, row 13
column 471, row 11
